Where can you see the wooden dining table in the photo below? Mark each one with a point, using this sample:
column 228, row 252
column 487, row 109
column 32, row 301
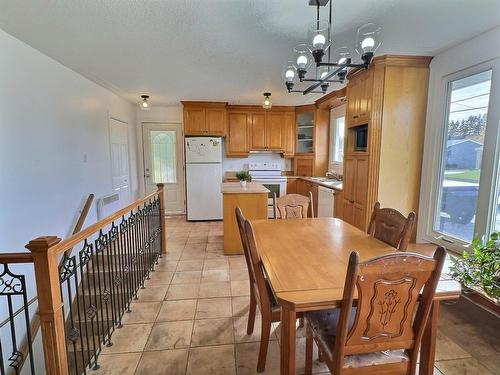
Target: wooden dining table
column 306, row 263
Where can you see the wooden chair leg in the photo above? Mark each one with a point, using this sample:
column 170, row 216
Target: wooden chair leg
column 264, row 342
column 309, row 355
column 251, row 314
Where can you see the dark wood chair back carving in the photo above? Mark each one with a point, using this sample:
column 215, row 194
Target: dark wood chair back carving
column 390, row 226
column 293, row 206
column 387, row 316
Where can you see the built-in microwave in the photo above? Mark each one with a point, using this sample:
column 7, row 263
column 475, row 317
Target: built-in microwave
column 361, row 138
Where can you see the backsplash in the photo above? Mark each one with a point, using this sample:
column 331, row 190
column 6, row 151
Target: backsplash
column 237, row 164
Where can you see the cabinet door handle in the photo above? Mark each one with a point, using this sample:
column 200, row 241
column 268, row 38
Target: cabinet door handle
column 355, row 116
column 351, row 202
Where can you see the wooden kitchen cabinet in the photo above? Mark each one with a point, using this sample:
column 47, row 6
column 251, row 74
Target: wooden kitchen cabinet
column 359, row 95
column 237, row 142
column 274, row 130
column 288, row 134
column 355, row 190
column 304, row 166
column 204, row 118
column 270, row 130
column 338, row 204
column 291, row 186
column 258, row 131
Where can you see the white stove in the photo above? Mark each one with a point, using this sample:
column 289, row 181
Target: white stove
column 269, row 175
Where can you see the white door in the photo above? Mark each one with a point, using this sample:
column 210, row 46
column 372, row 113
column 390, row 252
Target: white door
column 164, row 163
column 120, row 166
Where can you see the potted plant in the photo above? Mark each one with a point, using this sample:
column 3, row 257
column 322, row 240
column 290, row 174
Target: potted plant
column 243, row 176
column 479, row 270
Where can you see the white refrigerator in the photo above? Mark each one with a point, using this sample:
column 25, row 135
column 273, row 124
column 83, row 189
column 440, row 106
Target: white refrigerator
column 204, row 178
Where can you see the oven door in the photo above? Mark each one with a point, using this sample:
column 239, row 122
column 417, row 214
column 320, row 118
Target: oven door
column 278, row 187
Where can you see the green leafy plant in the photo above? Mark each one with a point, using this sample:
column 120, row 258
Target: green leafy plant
column 243, row 176
column 480, row 268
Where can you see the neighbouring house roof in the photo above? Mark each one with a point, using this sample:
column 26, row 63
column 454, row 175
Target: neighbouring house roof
column 454, row 142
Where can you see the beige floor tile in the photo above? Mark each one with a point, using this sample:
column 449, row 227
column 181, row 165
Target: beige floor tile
column 240, row 288
column 492, row 363
column 239, row 274
column 159, row 278
column 241, row 306
column 216, row 264
column 129, row 338
column 435, row 372
column 201, row 239
column 167, row 265
column 118, row 364
column 142, row 312
column 240, row 329
column 248, row 353
column 172, row 255
column 212, row 290
column 193, row 255
column 170, row 335
column 186, row 277
column 163, row 362
column 215, row 239
column 214, row 308
column 211, row 276
column 214, row 246
column 190, row 265
column 183, row 291
column 467, row 366
column 196, row 247
column 212, row 332
column 152, row 293
column 177, row 310
column 237, row 262
column 213, row 360
column 448, row 349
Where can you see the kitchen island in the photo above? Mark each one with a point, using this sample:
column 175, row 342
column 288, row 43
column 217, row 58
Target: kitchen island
column 251, row 199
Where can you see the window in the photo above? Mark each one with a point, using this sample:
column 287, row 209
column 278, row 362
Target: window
column 462, row 171
column 338, row 139
column 163, row 154
column 463, row 150
column 337, row 126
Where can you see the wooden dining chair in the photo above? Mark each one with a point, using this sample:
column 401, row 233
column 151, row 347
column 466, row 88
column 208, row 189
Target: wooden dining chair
column 391, row 227
column 292, row 206
column 383, row 333
column 260, row 291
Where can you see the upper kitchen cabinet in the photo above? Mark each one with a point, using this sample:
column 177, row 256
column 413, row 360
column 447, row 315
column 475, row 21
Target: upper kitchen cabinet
column 385, row 135
column 205, row 118
column 359, row 98
column 311, row 140
column 272, row 130
column 237, row 140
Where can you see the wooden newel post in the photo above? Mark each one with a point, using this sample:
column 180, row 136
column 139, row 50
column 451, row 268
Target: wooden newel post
column 50, row 305
column 162, row 219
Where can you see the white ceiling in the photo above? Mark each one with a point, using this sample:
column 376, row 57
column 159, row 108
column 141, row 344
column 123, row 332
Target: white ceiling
column 228, row 50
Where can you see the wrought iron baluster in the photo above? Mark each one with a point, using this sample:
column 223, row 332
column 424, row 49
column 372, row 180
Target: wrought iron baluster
column 105, row 294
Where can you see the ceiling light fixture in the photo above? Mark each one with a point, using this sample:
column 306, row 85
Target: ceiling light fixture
column 145, row 105
column 266, row 104
column 335, row 68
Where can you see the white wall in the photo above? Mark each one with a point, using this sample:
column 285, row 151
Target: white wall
column 54, row 144
column 478, row 50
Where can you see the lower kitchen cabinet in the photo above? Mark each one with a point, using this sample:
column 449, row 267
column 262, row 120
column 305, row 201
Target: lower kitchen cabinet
column 338, row 205
column 304, row 166
column 355, row 190
column 291, row 186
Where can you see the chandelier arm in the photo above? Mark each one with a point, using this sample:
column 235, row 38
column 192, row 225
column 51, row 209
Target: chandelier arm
column 327, row 77
column 319, row 80
column 362, row 65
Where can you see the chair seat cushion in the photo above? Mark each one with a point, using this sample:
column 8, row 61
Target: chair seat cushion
column 324, row 326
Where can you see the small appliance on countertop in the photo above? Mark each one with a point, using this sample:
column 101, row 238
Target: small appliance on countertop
column 203, row 178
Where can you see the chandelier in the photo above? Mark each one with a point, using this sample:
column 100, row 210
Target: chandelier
column 320, row 48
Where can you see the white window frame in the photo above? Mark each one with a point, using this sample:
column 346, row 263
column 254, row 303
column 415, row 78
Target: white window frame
column 431, row 171
column 335, row 113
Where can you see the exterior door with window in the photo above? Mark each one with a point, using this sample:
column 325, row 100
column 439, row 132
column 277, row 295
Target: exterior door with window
column 164, row 163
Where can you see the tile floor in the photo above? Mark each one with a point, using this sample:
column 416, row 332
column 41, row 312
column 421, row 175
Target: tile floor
column 192, row 316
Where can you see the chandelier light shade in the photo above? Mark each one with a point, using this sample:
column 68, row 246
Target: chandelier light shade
column 145, row 104
column 303, row 59
column 266, row 104
column 367, row 40
column 338, row 60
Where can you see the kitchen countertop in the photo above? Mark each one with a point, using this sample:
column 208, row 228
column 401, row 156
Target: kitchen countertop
column 236, row 188
column 331, row 184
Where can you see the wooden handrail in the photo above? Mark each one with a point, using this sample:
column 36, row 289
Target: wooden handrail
column 7, row 258
column 94, row 228
column 46, row 251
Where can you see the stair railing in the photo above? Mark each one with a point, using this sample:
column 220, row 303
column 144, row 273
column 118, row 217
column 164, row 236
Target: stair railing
column 83, row 294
